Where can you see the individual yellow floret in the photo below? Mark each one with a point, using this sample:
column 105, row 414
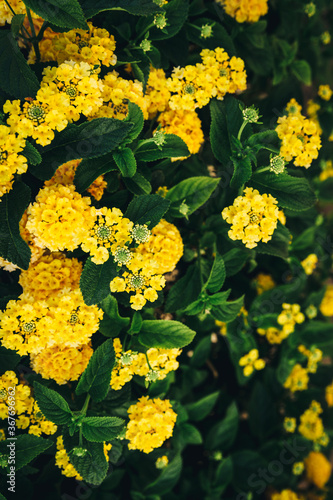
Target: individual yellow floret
column 289, row 424
column 151, row 423
column 60, row 217
column 245, row 10
column 318, row 469
column 11, row 162
column 253, row 217
column 325, row 92
column 60, row 363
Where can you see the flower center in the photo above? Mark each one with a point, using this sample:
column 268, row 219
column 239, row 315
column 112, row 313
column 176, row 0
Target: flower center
column 103, row 232
column 73, row 319
column 3, row 156
column 28, row 326
column 254, row 217
column 36, row 113
column 189, row 88
column 3, row 394
column 71, row 91
column 141, row 233
column 136, row 281
column 122, row 255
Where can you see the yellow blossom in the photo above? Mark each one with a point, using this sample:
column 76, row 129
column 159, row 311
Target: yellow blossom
column 290, row 316
column 157, row 92
column 325, row 92
column 311, row 425
column 309, row 264
column 185, row 124
column 326, row 170
column 151, row 423
column 326, row 306
column 289, row 424
column 251, row 362
column 162, row 462
column 253, row 217
column 318, row 469
column 263, row 282
column 245, row 10
column 286, row 495
column 298, row 379
column 329, row 395
column 11, row 162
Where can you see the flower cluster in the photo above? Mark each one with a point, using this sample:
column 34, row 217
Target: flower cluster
column 309, row 263
column 326, row 170
column 245, row 10
column 253, row 217
column 251, row 362
column 26, row 408
column 185, row 124
column 313, row 356
column 192, row 87
column 285, row 495
column 326, row 306
column 95, row 46
column 155, row 364
column 11, row 162
column 290, row 316
column 318, row 469
column 297, row 379
column 151, row 423
column 311, row 425
column 325, row 92
column 6, row 14
column 263, row 282
column 300, row 137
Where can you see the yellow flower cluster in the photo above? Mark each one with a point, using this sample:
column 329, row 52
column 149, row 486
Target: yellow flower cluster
column 326, row 306
column 318, row 469
column 116, row 93
column 326, row 170
column 107, row 232
column 325, row 92
column 38, row 118
column 36, row 252
column 263, row 282
column 165, row 246
column 289, row 424
column 95, row 46
column 28, row 325
column 309, row 264
column 286, row 495
column 151, row 423
column 157, row 92
column 311, row 425
column 192, row 87
column 245, row 10
column 49, row 275
column 312, row 109
column 62, row 459
column 77, row 84
column 329, row 395
column 253, row 217
column 300, row 137
column 185, row 124
column 62, row 363
column 162, row 462
column 298, row 379
column 6, row 14
column 161, row 362
column 314, row 356
column 27, row 411
column 59, row 218
column 65, row 175
column 290, row 316
column 11, row 162
column 273, row 335
column 251, row 362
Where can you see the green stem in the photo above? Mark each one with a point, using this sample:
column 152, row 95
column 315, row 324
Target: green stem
column 143, row 33
column 34, row 38
column 150, row 368
column 14, row 14
column 41, row 31
column 85, row 405
column 80, row 438
column 241, row 130
column 273, row 150
column 10, row 7
column 259, row 170
column 199, row 261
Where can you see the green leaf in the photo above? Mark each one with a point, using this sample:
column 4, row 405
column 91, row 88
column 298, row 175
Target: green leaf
column 263, row 416
column 125, row 161
column 242, row 172
column 200, row 409
column 173, row 147
column 16, row 24
column 147, row 209
column 99, row 429
column 136, row 7
column 31, row 153
column 165, row 334
column 263, row 139
column 93, row 466
column 52, row 405
column 95, row 280
column 135, row 117
column 141, row 69
column 167, row 479
column 294, row 193
column 227, row 119
column 316, row 333
column 278, row 245
column 189, row 434
column 184, row 291
column 193, row 192
column 112, row 323
column 89, row 169
column 176, row 15
column 246, row 464
column 302, row 70
column 27, row 447
column 305, row 240
column 229, row 311
column 137, row 184
column 201, row 352
column 223, row 434
column 217, row 275
column 95, row 380
column 223, row 474
column 12, row 206
column 234, row 260
column 88, row 140
column 62, row 13
column 17, row 78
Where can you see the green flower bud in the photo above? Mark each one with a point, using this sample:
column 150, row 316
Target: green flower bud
column 251, row 115
column 159, row 137
column 145, row 45
column 310, row 9
column 160, row 21
column 122, row 256
column 277, row 164
column 206, row 31
column 141, row 233
column 79, row 452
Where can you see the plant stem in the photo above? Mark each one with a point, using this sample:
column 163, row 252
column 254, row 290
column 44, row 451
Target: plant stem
column 85, row 405
column 241, row 130
column 10, row 7
column 34, row 38
column 41, row 31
